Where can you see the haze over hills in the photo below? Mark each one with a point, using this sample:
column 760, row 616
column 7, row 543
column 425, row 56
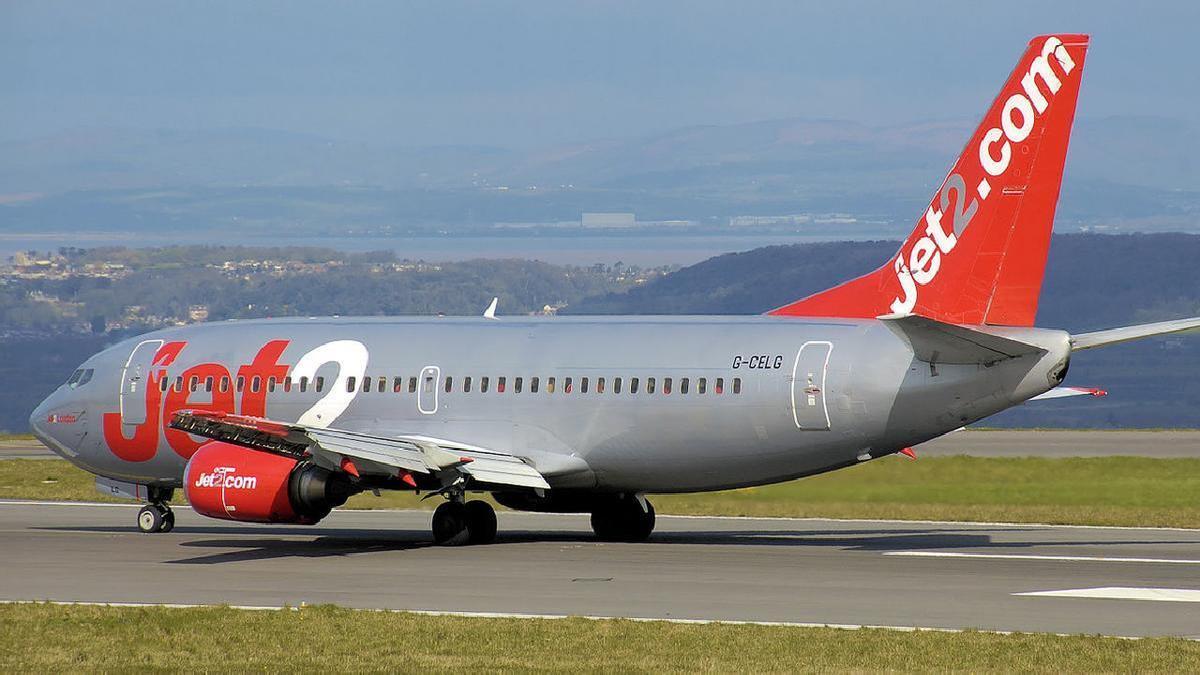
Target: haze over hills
column 1123, row 174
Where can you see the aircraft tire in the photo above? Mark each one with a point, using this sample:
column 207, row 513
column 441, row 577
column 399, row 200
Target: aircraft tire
column 481, row 522
column 623, row 520
column 168, row 522
column 450, row 525
column 150, row 519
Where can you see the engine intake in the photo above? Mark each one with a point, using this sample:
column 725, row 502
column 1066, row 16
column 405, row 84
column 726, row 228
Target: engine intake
column 231, row 482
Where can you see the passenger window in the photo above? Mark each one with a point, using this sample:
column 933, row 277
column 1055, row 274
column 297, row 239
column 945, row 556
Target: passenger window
column 633, row 385
column 398, row 385
column 241, row 383
column 719, row 387
column 271, row 384
column 483, row 384
column 666, row 385
column 255, row 383
column 500, row 382
column 287, row 383
column 533, row 385
column 303, row 384
column 366, row 383
column 320, row 382
column 449, row 384
column 179, row 383
column 224, row 386
column 549, row 385
column 164, row 383
column 467, row 384
column 683, row 385
column 208, row 384
column 412, row 385
column 427, row 385
column 702, row 386
column 583, row 385
column 382, row 384
column 567, row 385
column 616, row 385
column 351, row 384
column 517, row 386
column 649, row 385
column 193, row 383
column 599, row 385
column 737, row 385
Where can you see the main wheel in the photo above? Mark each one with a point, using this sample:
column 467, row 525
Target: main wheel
column 450, row 525
column 624, row 519
column 481, row 522
column 168, row 522
column 150, row 519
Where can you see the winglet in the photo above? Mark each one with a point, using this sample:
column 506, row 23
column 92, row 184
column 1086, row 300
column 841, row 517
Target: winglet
column 490, row 312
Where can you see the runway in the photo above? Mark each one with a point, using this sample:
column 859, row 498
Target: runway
column 935, row 575
column 1001, row 443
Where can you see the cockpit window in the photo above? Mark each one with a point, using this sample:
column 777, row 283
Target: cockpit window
column 80, row 377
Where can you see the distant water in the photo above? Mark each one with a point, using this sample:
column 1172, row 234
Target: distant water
column 632, row 249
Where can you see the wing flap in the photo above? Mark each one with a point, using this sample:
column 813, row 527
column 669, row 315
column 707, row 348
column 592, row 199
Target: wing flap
column 408, row 452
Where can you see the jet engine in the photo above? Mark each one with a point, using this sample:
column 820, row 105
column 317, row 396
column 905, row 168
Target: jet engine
column 231, row 482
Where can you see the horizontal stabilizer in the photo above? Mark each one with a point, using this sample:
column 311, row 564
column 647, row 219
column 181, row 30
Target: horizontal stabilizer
column 1064, row 392
column 937, row 342
column 1112, row 336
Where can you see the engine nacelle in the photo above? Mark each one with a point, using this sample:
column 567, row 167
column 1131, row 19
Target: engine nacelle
column 230, row 482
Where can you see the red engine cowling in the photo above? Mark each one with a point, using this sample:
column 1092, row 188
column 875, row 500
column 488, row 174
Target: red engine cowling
column 234, row 483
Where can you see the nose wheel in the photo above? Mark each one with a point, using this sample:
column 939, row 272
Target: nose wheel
column 156, row 518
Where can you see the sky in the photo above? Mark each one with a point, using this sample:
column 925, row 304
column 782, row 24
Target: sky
column 531, row 74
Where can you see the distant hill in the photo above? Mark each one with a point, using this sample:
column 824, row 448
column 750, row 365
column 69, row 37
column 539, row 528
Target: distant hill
column 1092, row 282
column 1131, row 173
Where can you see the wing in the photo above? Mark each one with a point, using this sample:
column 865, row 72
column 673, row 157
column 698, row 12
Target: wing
column 360, row 453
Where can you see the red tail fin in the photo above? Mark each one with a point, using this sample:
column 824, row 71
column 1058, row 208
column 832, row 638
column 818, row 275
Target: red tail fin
column 978, row 254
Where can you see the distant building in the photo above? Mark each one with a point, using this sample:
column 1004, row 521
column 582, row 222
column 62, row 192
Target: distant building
column 198, row 313
column 609, row 220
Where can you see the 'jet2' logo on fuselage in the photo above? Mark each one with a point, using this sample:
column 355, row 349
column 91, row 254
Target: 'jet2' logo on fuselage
column 920, row 264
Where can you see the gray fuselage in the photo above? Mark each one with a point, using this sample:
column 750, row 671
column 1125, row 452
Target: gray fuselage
column 796, row 396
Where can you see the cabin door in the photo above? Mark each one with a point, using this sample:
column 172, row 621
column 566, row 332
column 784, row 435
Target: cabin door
column 808, row 386
column 135, row 378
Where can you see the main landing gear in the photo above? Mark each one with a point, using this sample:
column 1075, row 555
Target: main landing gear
column 456, row 523
column 628, row 518
column 157, row 516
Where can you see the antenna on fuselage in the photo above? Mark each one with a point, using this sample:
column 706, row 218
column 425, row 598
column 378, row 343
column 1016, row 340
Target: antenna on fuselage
column 490, row 312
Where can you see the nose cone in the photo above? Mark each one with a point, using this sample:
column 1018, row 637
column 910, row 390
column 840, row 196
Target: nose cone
column 58, row 423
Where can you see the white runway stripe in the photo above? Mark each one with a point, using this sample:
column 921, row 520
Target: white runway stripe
column 1123, row 593
column 1052, row 558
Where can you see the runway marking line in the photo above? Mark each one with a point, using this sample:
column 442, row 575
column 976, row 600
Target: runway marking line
column 1034, row 557
column 1123, row 593
column 558, row 617
column 886, row 521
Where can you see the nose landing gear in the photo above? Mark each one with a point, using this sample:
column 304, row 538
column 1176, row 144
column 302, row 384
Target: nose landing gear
column 157, row 516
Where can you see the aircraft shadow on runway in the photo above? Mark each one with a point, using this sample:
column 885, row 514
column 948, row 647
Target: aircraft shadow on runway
column 264, row 543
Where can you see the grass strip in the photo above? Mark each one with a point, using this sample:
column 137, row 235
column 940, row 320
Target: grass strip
column 54, row 638
column 1128, row 491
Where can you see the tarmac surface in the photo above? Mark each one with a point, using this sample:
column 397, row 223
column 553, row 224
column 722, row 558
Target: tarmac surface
column 1113, row 581
column 1000, row 443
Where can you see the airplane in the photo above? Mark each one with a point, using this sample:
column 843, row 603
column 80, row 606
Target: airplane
column 282, row 420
